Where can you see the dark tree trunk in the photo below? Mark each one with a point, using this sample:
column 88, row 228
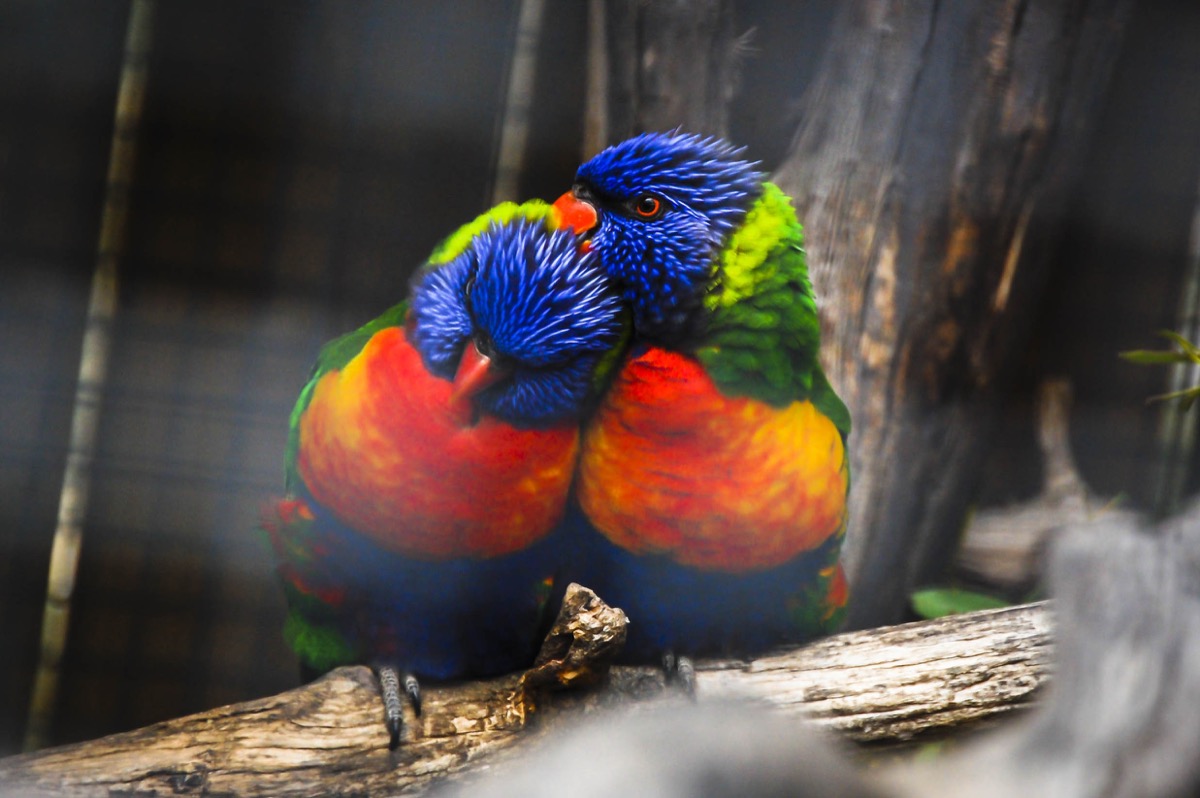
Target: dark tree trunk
column 937, row 146
column 671, row 63
column 930, row 170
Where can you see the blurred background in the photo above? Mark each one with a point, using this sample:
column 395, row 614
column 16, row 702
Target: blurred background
column 295, row 161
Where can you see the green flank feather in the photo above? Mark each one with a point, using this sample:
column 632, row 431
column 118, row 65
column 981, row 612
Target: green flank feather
column 764, row 334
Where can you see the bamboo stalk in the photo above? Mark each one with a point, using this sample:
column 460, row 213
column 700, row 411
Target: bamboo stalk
column 518, row 103
column 1176, row 427
column 595, row 112
column 93, row 372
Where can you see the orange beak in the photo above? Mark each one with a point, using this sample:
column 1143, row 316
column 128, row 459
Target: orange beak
column 576, row 214
column 476, row 371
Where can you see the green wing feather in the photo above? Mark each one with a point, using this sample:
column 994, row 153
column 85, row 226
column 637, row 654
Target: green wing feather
column 764, row 335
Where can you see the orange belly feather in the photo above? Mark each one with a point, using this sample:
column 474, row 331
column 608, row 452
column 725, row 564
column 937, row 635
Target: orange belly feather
column 671, row 466
column 381, row 447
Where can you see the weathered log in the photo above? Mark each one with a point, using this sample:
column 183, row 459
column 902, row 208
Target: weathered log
column 930, row 170
column 896, row 682
column 328, row 737
column 1118, row 720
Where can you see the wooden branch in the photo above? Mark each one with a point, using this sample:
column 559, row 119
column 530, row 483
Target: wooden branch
column 895, row 682
column 328, row 737
column 1119, row 720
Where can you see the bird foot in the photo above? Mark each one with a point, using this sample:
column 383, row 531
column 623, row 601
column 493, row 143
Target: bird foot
column 680, row 671
column 393, row 705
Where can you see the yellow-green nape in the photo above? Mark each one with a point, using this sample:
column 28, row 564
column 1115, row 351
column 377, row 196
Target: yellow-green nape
column 763, row 332
column 745, row 262
column 458, row 241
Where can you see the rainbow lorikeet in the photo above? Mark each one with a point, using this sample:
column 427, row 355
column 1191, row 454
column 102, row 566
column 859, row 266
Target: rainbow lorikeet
column 713, row 477
column 431, row 454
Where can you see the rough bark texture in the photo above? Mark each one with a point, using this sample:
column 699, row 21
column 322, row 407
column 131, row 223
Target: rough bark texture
column 930, row 171
column 328, row 737
column 894, row 683
column 671, row 63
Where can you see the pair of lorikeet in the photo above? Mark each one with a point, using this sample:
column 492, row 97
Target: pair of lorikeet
column 620, row 389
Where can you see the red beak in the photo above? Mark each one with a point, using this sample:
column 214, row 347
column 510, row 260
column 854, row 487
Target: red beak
column 576, row 214
column 476, row 371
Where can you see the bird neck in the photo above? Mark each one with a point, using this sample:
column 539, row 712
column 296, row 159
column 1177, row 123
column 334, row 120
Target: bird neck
column 763, row 333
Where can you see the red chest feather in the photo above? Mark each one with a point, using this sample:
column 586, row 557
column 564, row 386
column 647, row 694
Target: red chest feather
column 383, row 449
column 672, row 466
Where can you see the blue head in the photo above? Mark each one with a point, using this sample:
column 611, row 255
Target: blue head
column 520, row 320
column 665, row 204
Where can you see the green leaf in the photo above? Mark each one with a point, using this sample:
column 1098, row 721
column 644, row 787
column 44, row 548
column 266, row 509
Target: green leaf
column 937, row 602
column 1154, row 357
column 930, row 751
column 1187, row 346
column 1187, row 397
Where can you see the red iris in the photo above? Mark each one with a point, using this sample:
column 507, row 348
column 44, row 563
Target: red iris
column 647, row 206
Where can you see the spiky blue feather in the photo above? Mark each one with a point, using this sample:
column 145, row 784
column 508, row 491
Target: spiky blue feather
column 546, row 311
column 441, row 323
column 665, row 264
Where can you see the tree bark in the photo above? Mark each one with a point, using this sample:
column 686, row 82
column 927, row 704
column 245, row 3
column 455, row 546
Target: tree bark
column 328, row 737
column 930, row 171
column 671, row 63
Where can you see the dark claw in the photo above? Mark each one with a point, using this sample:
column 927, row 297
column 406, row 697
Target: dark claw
column 393, row 704
column 680, row 671
column 685, row 676
column 393, row 714
column 413, row 689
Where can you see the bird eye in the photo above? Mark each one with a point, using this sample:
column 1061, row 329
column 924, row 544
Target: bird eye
column 485, row 344
column 647, row 206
